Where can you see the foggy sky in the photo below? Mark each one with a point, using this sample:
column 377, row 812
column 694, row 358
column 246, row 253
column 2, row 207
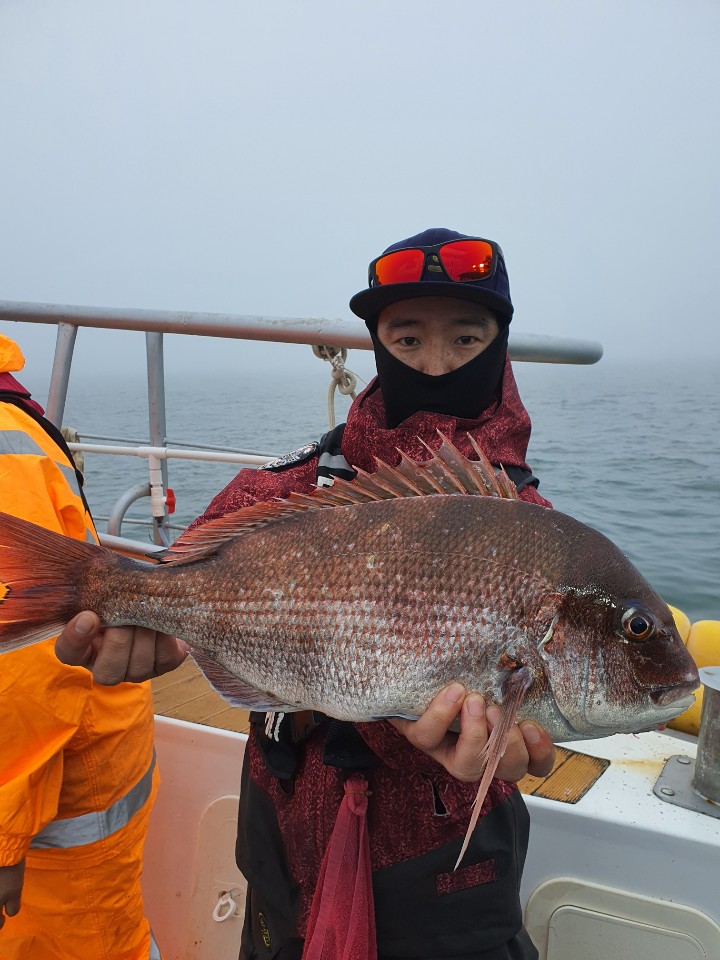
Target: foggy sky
column 223, row 155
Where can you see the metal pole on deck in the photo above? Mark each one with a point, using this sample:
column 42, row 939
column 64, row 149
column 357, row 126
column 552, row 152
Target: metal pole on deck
column 158, row 436
column 60, row 377
column 706, row 781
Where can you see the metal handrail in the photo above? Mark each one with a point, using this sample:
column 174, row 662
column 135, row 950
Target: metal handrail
column 173, row 444
column 132, row 548
column 309, row 330
column 157, row 458
column 147, row 452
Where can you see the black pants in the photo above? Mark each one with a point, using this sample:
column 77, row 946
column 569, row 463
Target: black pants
column 423, row 910
column 257, row 944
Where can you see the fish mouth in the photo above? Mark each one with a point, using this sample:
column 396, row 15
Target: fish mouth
column 679, row 698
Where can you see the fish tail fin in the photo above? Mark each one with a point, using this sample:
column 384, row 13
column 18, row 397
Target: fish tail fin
column 516, row 686
column 40, row 575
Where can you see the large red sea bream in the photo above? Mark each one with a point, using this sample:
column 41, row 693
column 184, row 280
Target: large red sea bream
column 362, row 601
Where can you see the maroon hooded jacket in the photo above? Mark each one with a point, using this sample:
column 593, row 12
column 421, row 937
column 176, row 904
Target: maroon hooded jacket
column 418, row 813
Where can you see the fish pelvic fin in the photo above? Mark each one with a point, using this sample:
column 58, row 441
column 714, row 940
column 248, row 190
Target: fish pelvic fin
column 236, row 691
column 446, row 472
column 40, row 577
column 515, row 687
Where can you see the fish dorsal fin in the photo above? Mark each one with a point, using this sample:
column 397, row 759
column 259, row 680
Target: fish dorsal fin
column 446, row 472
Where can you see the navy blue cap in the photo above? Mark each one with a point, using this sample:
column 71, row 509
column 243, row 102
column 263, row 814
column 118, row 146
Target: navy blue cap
column 493, row 292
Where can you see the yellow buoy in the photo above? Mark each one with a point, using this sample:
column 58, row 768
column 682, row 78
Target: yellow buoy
column 703, row 643
column 682, row 622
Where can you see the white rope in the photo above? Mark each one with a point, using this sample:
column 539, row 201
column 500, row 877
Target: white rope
column 70, row 435
column 224, row 908
column 341, row 379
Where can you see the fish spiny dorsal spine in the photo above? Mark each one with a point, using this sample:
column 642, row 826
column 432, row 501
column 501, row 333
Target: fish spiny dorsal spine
column 446, row 472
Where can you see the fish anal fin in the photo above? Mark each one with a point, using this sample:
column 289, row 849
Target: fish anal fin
column 237, row 692
column 515, row 687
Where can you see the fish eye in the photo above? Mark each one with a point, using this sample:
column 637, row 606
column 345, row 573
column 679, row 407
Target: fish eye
column 637, row 625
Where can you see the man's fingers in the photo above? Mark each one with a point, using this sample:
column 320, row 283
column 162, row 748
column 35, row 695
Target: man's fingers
column 529, row 749
column 74, row 645
column 540, row 748
column 12, row 906
column 169, row 653
column 141, row 661
column 113, row 657
column 429, row 730
column 467, row 752
column 118, row 654
column 459, row 754
column 149, row 654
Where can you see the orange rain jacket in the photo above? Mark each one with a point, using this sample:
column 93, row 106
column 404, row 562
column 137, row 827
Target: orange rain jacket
column 77, row 767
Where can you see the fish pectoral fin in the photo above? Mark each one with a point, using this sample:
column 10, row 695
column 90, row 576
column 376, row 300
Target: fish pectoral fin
column 515, row 687
column 236, row 691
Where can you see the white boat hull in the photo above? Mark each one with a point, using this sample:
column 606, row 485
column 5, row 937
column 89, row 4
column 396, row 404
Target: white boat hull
column 618, row 874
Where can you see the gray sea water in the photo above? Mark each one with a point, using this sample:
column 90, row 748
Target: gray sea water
column 630, row 449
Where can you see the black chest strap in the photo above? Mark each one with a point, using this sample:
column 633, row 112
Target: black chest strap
column 331, row 462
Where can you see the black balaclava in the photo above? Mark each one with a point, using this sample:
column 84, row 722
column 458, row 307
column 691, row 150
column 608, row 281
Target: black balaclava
column 462, row 393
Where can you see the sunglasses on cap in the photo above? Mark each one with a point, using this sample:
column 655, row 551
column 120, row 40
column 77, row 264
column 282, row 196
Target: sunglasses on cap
column 463, row 261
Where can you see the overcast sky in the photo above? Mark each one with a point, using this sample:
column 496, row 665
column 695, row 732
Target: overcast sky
column 252, row 157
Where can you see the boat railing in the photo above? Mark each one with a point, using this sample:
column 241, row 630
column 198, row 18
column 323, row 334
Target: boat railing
column 327, row 337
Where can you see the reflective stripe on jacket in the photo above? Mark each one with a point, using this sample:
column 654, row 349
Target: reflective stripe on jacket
column 90, row 827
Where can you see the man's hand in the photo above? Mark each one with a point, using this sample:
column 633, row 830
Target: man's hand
column 11, row 884
column 118, row 654
column 529, row 748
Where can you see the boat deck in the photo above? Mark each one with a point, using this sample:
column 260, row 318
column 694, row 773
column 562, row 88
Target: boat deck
column 185, row 694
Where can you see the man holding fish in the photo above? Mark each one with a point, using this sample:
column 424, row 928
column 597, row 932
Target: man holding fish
column 350, row 828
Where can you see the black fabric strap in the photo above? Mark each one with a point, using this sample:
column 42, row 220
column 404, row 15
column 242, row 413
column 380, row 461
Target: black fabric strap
column 346, row 749
column 331, row 462
column 521, row 478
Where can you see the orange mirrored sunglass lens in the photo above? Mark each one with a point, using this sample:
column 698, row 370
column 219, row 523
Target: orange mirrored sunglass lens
column 403, row 266
column 467, row 260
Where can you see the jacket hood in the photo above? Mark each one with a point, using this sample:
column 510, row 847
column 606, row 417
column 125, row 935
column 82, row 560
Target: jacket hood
column 11, row 356
column 502, row 430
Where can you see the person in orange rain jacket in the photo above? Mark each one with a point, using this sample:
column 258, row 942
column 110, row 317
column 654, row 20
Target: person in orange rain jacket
column 77, row 767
